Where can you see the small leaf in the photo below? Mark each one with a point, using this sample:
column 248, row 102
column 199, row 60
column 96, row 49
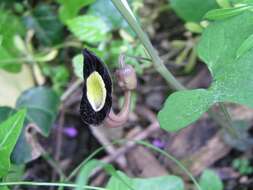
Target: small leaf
column 106, row 10
column 219, row 14
column 88, row 28
column 157, row 183
column 7, row 62
column 246, row 46
column 183, row 107
column 42, row 105
column 209, row 180
column 70, row 9
column 9, row 133
column 48, row 28
column 77, row 63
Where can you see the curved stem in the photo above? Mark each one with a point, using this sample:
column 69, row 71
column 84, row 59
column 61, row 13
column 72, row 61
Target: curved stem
column 116, row 120
column 48, row 184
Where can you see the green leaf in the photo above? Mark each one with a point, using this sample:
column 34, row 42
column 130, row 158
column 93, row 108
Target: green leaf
column 88, row 28
column 16, row 173
column 209, row 180
column 48, row 28
column 70, row 9
column 42, row 105
column 85, row 172
column 87, row 169
column 183, row 108
column 106, row 10
column 232, row 76
column 8, row 31
column 245, row 46
column 77, row 63
column 59, row 76
column 224, row 3
column 9, row 133
column 8, row 52
column 7, row 63
column 219, row 14
column 156, row 183
column 4, row 188
column 192, row 10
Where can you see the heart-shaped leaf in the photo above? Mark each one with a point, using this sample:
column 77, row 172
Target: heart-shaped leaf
column 42, row 105
column 232, row 76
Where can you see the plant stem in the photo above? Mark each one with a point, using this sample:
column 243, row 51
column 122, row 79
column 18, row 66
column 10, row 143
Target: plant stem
column 53, row 164
column 71, row 89
column 48, row 184
column 143, row 143
column 159, row 65
column 157, row 62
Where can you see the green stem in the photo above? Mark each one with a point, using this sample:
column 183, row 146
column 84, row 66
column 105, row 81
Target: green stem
column 140, row 142
column 229, row 121
column 77, row 169
column 181, row 166
column 48, row 184
column 157, row 62
column 53, row 164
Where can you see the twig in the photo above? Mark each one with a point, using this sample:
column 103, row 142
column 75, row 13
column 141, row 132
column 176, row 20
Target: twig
column 71, row 89
column 141, row 136
column 143, row 111
column 53, row 164
column 58, row 142
column 101, row 137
